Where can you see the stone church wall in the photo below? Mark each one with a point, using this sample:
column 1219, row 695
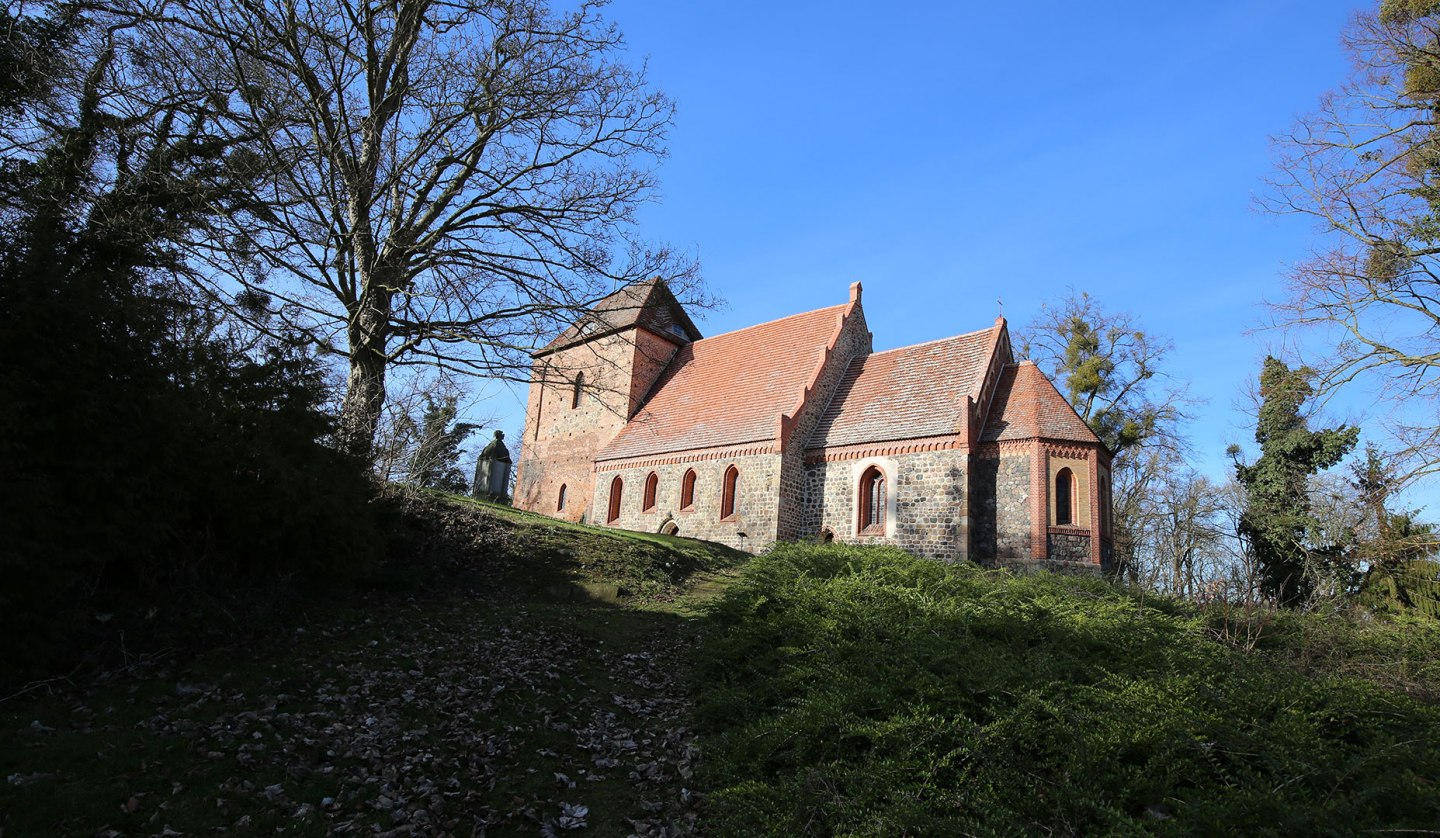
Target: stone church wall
column 1069, row 547
column 755, row 499
column 925, row 495
column 1001, row 507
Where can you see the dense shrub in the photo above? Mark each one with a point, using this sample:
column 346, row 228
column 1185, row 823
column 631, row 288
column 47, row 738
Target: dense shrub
column 141, row 467
column 860, row 691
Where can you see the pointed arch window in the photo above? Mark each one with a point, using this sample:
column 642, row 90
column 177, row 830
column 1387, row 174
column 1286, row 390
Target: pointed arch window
column 1064, row 497
column 872, row 501
column 617, row 491
column 727, row 495
column 579, row 388
column 652, row 482
column 1105, row 505
column 560, row 503
column 687, row 490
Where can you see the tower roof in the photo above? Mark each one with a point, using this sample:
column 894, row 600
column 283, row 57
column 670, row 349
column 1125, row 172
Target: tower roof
column 648, row 305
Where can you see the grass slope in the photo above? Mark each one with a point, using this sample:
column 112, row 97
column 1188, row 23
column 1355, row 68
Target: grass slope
column 860, row 691
column 468, row 698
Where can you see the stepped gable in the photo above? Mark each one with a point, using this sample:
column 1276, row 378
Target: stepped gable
column 1027, row 406
column 648, row 305
column 907, row 393
column 729, row 389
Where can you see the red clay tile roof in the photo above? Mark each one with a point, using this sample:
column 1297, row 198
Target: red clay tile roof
column 729, row 389
column 1027, row 405
column 907, row 393
column 649, row 305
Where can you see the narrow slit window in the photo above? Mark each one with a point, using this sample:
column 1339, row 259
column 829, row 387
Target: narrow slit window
column 579, row 388
column 651, row 483
column 1064, row 497
column 560, row 504
column 687, row 490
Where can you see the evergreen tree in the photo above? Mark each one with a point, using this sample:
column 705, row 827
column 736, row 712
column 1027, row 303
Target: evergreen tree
column 1396, row 553
column 145, row 449
column 435, row 463
column 1277, row 520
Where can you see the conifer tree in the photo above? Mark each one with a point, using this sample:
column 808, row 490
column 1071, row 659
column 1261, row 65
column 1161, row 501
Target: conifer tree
column 435, row 463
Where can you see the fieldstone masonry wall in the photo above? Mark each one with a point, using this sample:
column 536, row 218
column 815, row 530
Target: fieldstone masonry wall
column 1001, row 506
column 755, row 499
column 1069, row 547
column 926, row 493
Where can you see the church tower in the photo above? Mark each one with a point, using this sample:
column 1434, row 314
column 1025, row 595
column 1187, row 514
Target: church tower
column 585, row 385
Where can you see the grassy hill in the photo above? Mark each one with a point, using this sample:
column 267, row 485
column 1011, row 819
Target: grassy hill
column 505, row 673
column 508, row 674
column 851, row 691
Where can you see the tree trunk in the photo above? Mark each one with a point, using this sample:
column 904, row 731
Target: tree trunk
column 365, row 386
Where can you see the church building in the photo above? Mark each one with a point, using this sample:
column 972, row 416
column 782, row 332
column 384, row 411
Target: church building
column 797, row 430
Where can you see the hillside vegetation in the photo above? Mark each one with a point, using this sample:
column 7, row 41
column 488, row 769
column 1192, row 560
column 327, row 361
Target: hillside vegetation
column 860, row 691
column 508, row 674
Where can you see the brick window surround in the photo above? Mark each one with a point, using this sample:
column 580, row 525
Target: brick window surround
column 872, row 502
column 579, row 388
column 1065, row 498
column 687, row 490
column 617, row 491
column 652, row 482
column 727, row 496
column 560, row 503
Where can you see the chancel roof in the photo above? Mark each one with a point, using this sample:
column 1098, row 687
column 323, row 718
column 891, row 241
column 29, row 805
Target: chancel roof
column 1027, row 405
column 907, row 393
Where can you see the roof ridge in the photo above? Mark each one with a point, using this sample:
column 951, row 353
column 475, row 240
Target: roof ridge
column 929, row 342
column 771, row 322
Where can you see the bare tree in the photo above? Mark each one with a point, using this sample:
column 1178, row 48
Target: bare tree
column 1366, row 167
column 1112, row 372
column 446, row 181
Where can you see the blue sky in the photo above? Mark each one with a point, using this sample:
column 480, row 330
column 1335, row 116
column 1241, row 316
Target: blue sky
column 946, row 154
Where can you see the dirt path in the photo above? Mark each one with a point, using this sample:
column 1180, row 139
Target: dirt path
column 452, row 715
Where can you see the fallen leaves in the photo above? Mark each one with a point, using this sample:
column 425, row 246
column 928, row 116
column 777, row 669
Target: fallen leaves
column 443, row 722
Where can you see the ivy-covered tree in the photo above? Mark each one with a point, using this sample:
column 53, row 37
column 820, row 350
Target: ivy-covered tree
column 1277, row 521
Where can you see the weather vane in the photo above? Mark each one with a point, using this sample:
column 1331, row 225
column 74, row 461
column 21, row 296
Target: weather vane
column 1001, row 303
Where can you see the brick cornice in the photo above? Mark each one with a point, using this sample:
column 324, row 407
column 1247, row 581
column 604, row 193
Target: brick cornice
column 888, row 449
column 1067, row 449
column 1004, row 448
column 679, row 457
